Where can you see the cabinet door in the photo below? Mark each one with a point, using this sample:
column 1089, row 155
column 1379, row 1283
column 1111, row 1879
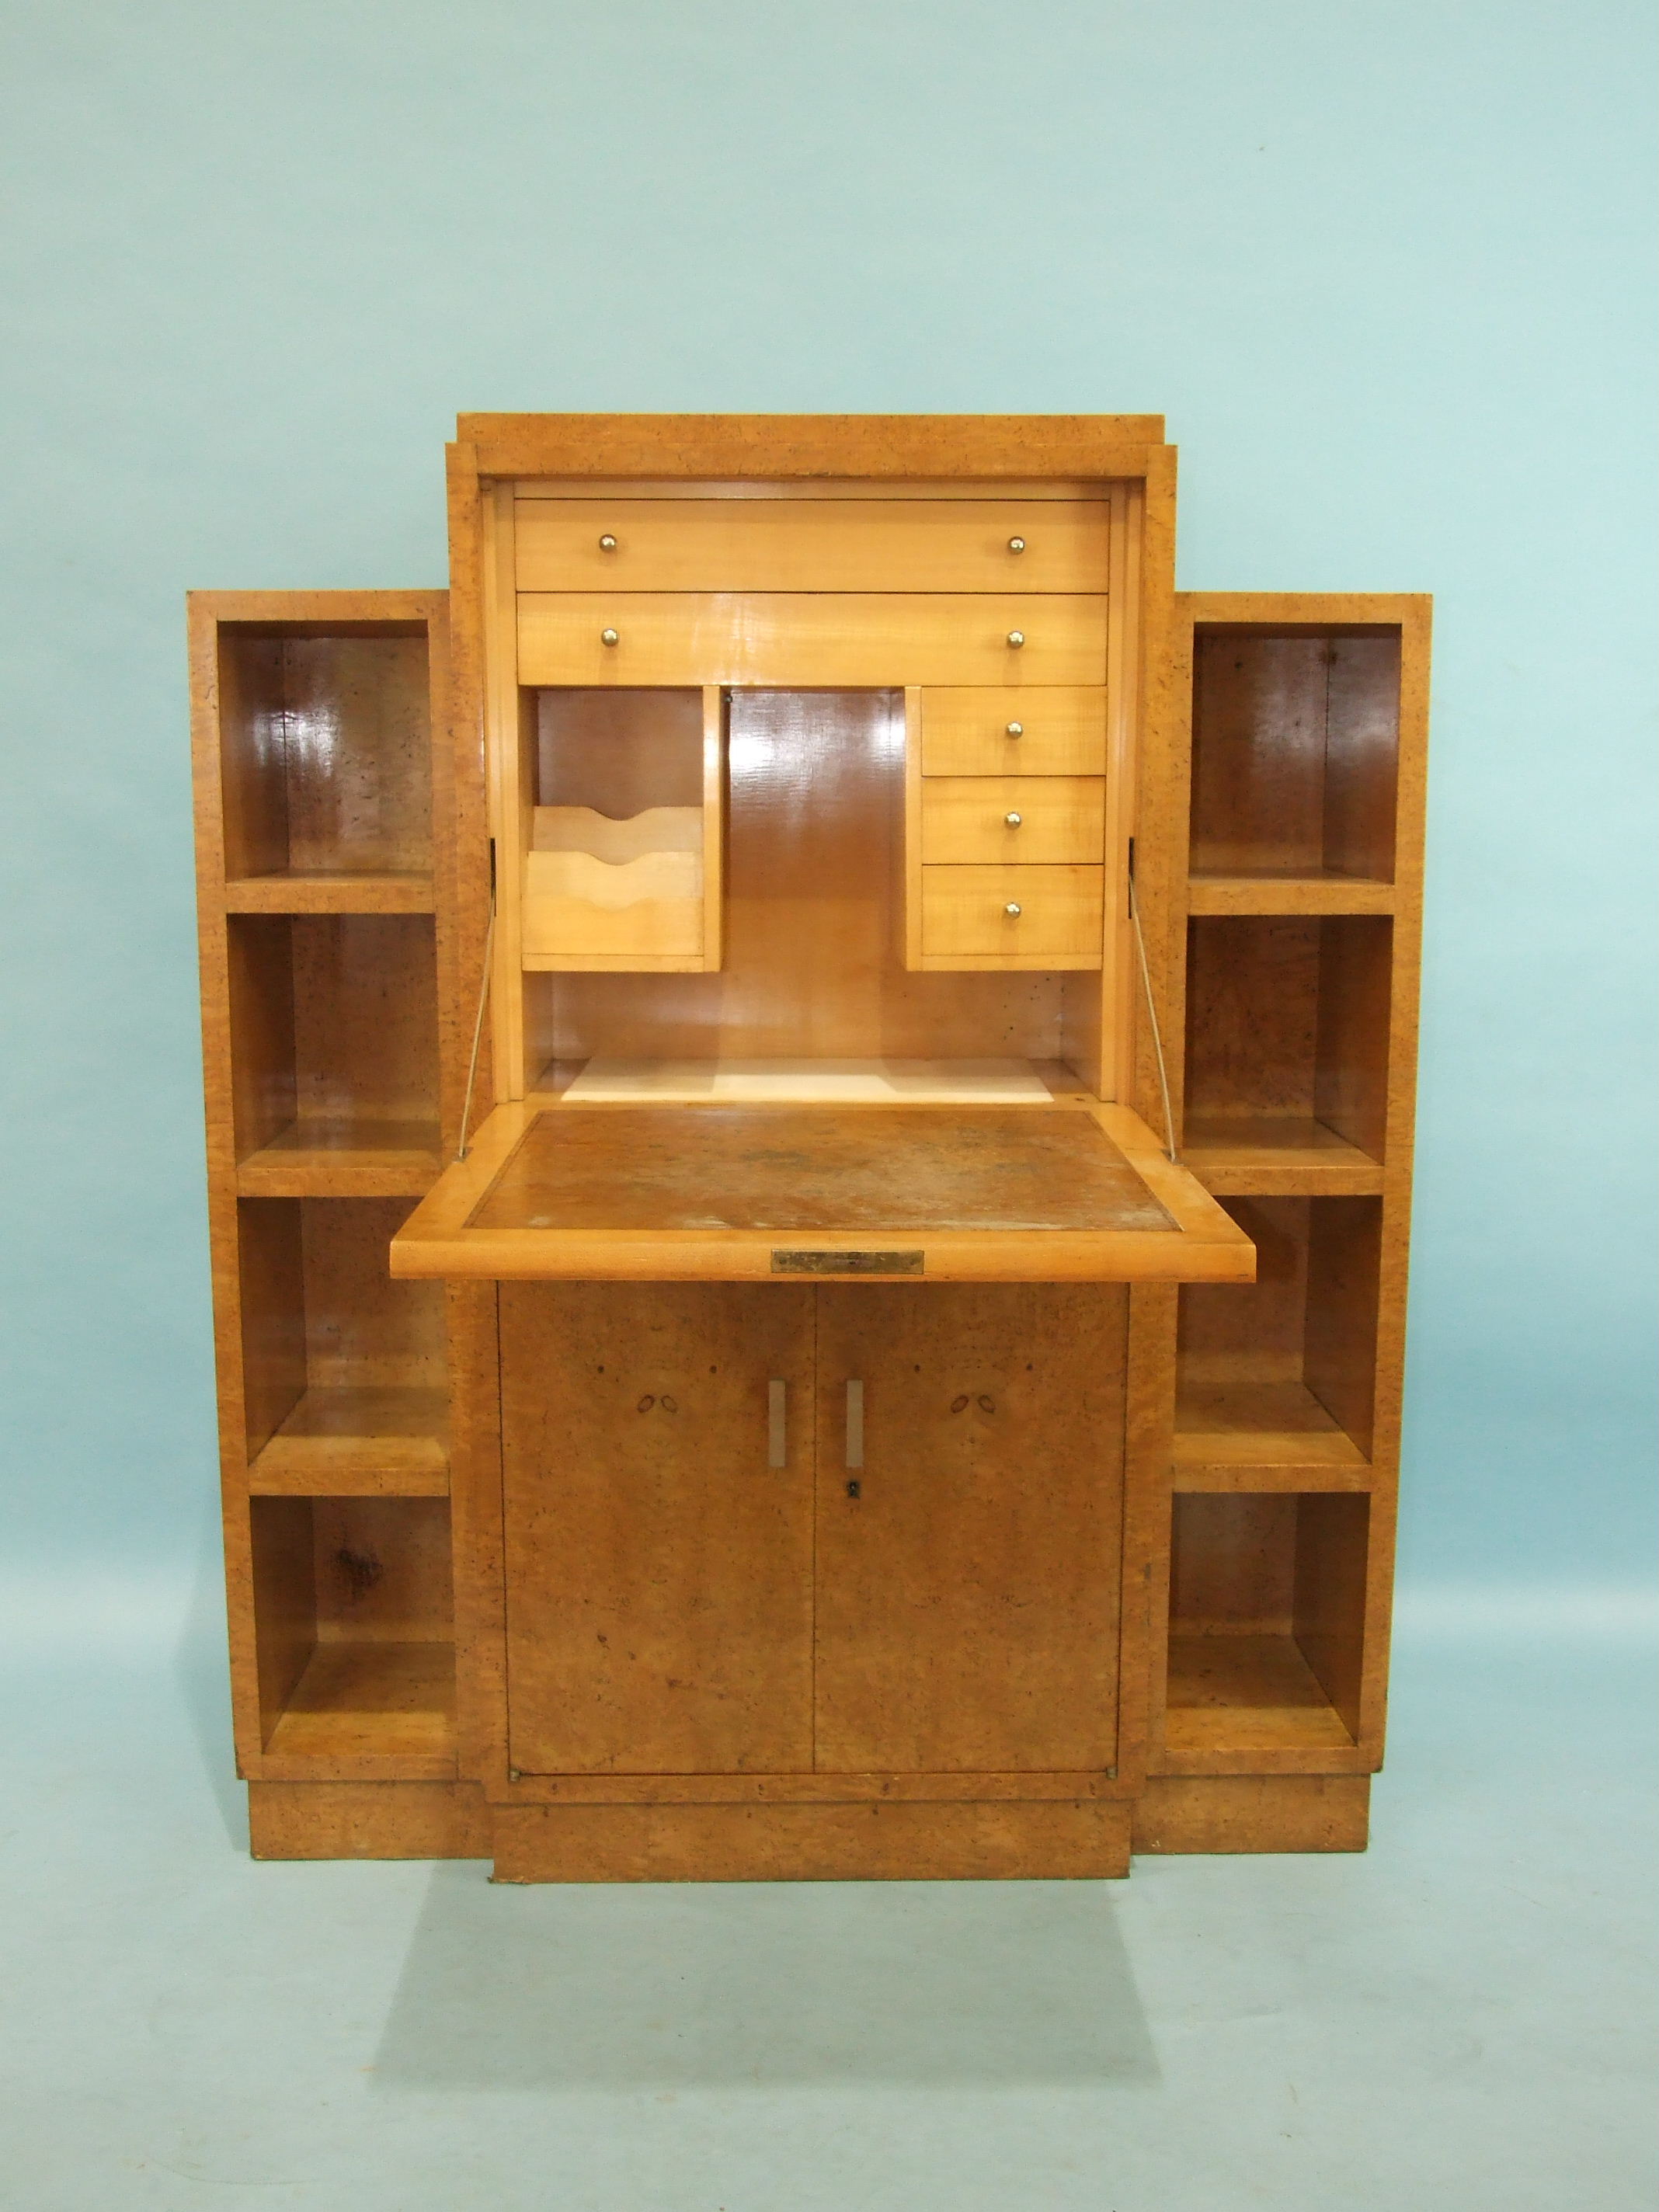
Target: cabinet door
column 967, row 1569
column 658, row 1566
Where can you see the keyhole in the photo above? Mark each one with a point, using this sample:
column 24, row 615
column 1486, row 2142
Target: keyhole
column 855, row 1490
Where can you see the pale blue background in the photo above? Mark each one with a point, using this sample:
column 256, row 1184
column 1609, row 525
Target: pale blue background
column 1386, row 268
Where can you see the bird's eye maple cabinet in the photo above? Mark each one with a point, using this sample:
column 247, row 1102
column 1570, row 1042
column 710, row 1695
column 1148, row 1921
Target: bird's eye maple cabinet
column 809, row 1087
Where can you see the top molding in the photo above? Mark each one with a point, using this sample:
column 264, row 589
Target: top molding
column 806, row 445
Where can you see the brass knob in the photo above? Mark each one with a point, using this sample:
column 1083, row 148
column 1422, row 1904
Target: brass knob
column 1016, row 545
column 609, row 637
column 1012, row 909
column 607, row 544
column 1015, row 638
column 1015, row 729
column 1013, row 820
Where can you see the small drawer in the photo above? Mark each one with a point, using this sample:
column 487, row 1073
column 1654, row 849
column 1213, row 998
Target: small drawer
column 1016, row 818
column 1052, row 917
column 967, row 731
column 809, row 639
column 810, row 544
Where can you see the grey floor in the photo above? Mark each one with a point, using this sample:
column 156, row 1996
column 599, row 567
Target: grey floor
column 1459, row 2018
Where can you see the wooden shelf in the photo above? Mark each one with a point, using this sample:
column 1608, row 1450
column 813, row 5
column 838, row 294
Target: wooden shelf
column 355, row 1157
column 1287, row 892
column 328, row 891
column 1262, row 1434
column 390, row 1707
column 1276, row 1155
column 358, row 1442
column 1237, row 1694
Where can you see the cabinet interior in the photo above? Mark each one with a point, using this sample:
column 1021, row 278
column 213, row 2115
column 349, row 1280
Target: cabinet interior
column 813, row 966
column 1287, row 1033
column 344, row 1368
column 354, row 1627
column 1296, row 736
column 1282, row 1371
column 326, row 739
column 334, row 1031
column 1266, row 1621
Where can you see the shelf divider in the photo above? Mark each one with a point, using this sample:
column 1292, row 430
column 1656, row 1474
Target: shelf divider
column 326, row 891
column 1327, row 892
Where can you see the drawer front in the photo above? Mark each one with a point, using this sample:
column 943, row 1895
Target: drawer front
column 810, row 545
column 1013, row 818
column 797, row 641
column 1060, row 920
column 965, row 732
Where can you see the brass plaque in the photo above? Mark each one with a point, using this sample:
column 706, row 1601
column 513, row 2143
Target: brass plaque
column 847, row 1263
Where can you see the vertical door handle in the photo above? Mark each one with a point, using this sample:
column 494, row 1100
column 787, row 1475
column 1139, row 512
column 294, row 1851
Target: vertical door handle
column 855, row 1424
column 777, row 1441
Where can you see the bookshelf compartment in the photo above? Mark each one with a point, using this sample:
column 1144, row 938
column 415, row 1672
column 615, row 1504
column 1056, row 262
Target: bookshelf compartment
column 343, row 1369
column 334, row 1047
column 1296, row 744
column 1267, row 1625
column 623, row 867
column 1287, row 1051
column 1281, row 1373
column 325, row 742
column 354, row 1633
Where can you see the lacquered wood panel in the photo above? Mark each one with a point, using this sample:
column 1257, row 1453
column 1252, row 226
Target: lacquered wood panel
column 1012, row 819
column 659, row 1570
column 965, row 730
column 1014, row 917
column 967, row 1593
column 798, row 640
column 810, row 545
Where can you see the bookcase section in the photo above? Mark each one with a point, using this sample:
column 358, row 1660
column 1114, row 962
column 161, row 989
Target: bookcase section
column 326, row 743
column 355, row 1636
column 1267, row 1626
column 1295, row 752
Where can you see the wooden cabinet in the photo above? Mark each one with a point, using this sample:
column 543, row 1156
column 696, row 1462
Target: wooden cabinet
column 793, row 1530
column 810, row 1084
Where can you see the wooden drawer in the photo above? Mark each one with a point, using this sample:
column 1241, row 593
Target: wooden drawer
column 814, row 640
column 810, row 545
column 1015, row 818
column 965, row 918
column 965, row 732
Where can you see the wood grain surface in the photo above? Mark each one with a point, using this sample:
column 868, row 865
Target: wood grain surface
column 790, row 1170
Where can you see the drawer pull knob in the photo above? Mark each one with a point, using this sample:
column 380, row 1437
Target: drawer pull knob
column 1013, row 820
column 609, row 637
column 1017, row 638
column 1015, row 729
column 1016, row 545
column 607, row 544
column 1012, row 909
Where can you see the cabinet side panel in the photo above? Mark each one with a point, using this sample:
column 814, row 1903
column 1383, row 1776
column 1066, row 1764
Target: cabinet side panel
column 260, row 975
column 1355, row 977
column 1362, row 756
column 272, row 1314
column 1330, row 1597
column 252, row 742
column 1344, row 1259
column 284, row 1600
